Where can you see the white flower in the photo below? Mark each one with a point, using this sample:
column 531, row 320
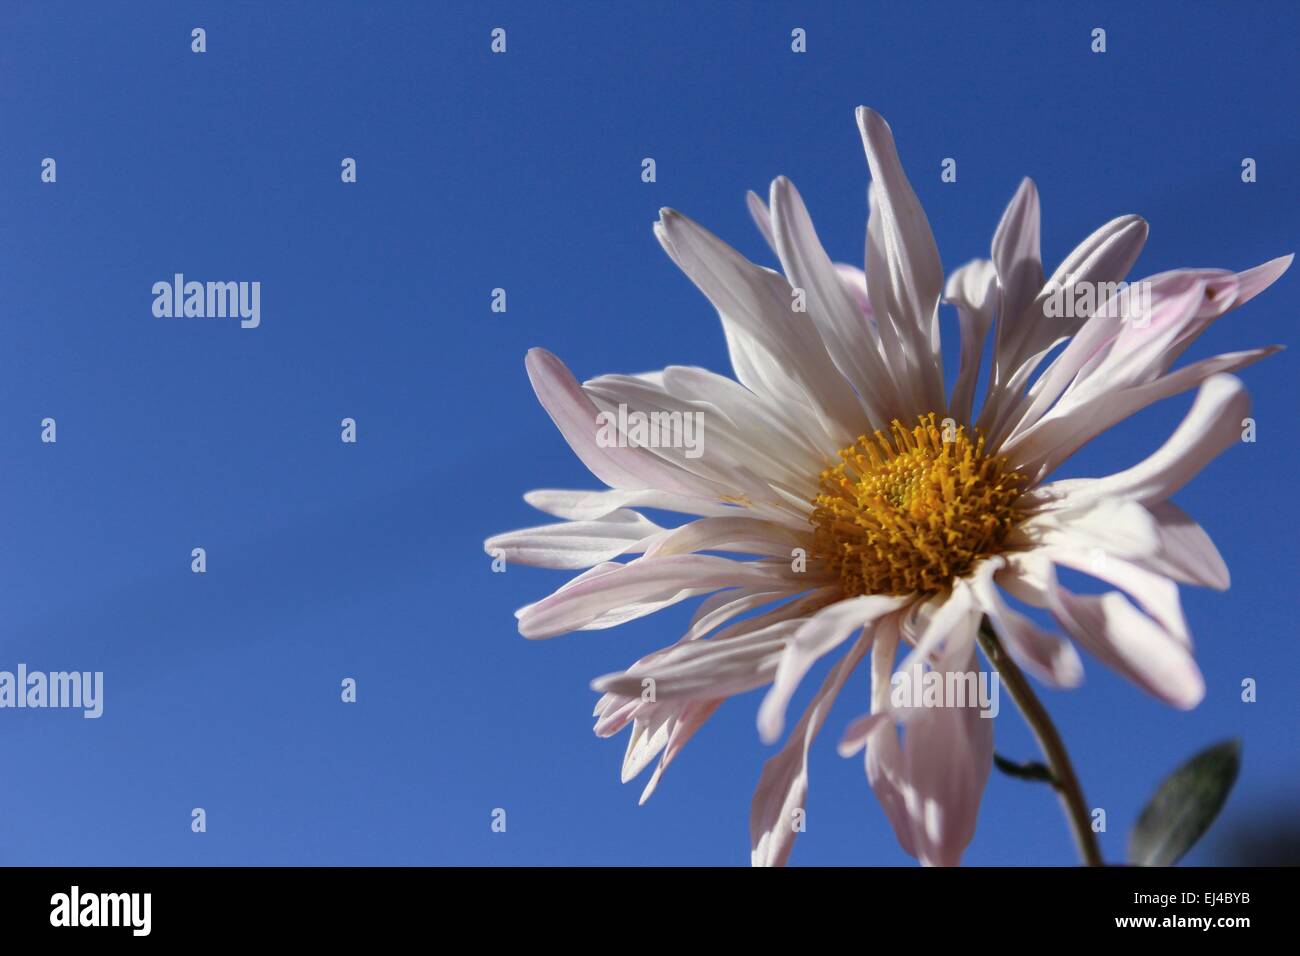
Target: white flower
column 836, row 440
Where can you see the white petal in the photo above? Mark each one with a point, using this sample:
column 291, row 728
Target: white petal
column 781, row 432
column 947, row 755
column 576, row 544
column 1128, row 641
column 884, row 757
column 1016, row 256
column 953, row 618
column 643, row 745
column 1186, row 552
column 762, row 218
column 1047, row 656
column 705, row 670
column 612, row 594
column 759, row 303
column 855, row 282
column 717, row 454
column 1213, row 424
column 742, row 534
column 1156, row 593
column 783, row 786
column 905, row 288
column 973, row 290
column 593, row 505
column 1144, row 346
column 692, row 718
column 1117, row 526
column 1254, row 281
column 859, row 733
column 575, row 416
column 1105, row 256
column 717, row 609
column 827, row 630
column 1172, row 300
column 1113, row 350
column 1041, row 449
column 849, row 338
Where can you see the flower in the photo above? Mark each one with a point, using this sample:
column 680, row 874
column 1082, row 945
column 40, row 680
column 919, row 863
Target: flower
column 836, row 442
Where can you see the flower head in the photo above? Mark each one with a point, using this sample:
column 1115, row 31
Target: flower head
column 881, row 511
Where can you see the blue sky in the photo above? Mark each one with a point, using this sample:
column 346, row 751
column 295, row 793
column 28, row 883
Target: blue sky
column 329, row 560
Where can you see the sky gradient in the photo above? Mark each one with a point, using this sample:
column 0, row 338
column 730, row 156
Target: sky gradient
column 329, row 560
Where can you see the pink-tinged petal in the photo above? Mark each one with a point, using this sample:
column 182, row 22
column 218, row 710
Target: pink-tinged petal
column 779, row 432
column 736, row 658
column 905, row 289
column 756, row 368
column 827, row 630
column 849, row 338
column 574, row 545
column 973, row 290
column 853, row 278
column 947, row 756
column 1157, row 595
column 1128, row 641
column 613, row 713
column 594, row 505
column 855, row 283
column 575, row 416
column 1254, row 281
column 759, row 303
column 804, row 606
column 616, row 615
column 1114, row 350
column 730, row 462
column 1146, row 346
column 915, row 278
column 952, row 619
column 714, row 663
column 1114, row 525
column 884, row 757
column 762, row 218
column 1016, row 256
column 1174, row 298
column 704, row 670
column 1041, row 449
column 1025, row 577
column 742, row 449
column 647, row 739
column 717, row 609
column 684, row 726
column 1047, row 656
column 904, row 355
column 614, row 593
column 783, row 786
column 1213, row 424
column 859, row 733
column 1105, row 256
column 1186, row 552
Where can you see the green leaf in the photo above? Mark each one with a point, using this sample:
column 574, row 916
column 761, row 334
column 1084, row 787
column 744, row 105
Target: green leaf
column 1184, row 806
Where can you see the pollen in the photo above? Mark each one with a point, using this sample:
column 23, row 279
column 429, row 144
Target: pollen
column 908, row 510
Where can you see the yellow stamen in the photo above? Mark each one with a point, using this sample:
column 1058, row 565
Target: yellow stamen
column 908, row 511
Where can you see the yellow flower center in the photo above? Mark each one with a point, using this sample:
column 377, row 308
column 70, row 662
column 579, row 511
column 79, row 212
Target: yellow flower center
column 910, row 510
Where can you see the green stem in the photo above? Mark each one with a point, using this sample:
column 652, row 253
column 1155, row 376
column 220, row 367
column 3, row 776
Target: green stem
column 1049, row 741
